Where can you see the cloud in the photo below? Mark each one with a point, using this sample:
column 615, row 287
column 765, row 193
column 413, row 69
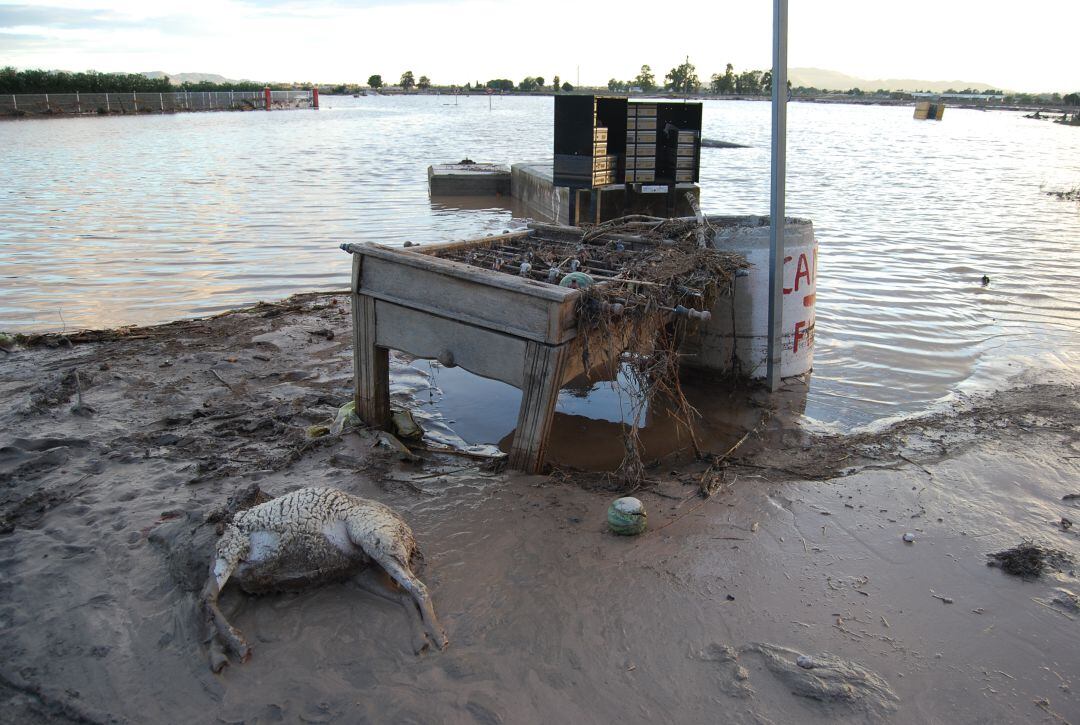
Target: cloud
column 38, row 16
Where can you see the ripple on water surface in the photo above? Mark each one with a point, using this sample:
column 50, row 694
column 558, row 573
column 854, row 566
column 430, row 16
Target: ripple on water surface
column 133, row 220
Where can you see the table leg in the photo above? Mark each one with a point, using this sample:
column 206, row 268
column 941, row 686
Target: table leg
column 371, row 366
column 539, row 391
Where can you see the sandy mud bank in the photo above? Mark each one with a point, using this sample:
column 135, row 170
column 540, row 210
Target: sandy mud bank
column 788, row 596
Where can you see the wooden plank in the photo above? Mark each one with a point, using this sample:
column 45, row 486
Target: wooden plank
column 486, row 353
column 479, row 242
column 516, row 310
column 371, row 364
column 451, row 268
column 542, row 373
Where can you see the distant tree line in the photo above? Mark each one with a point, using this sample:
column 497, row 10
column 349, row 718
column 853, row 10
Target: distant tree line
column 530, row 84
column 13, row 80
column 683, row 78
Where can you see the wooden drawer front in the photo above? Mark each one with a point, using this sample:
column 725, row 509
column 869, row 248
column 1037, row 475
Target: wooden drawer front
column 631, row 163
column 600, row 135
column 642, row 137
column 645, row 124
column 685, row 150
column 645, row 162
column 604, row 163
column 641, row 149
column 640, row 110
column 684, row 162
column 687, row 137
column 684, row 175
column 644, row 175
column 603, row 178
column 629, row 178
column 599, row 149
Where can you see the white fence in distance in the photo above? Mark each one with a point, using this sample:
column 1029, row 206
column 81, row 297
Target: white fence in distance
column 181, row 101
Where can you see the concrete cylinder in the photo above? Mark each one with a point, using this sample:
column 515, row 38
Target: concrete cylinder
column 735, row 340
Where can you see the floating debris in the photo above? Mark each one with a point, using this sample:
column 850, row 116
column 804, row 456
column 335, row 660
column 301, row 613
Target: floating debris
column 1029, row 559
column 1066, row 195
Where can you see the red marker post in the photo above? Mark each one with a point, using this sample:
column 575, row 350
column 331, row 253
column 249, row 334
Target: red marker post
column 266, row 94
column 315, row 98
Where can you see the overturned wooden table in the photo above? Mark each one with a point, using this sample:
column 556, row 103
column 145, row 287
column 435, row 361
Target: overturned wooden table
column 464, row 304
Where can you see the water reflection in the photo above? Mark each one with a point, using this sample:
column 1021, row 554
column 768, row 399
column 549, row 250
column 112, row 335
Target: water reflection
column 131, row 220
column 591, row 415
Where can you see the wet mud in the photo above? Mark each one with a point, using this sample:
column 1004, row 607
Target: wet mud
column 110, row 515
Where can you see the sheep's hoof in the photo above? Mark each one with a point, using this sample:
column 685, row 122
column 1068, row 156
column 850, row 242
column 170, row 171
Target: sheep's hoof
column 218, row 658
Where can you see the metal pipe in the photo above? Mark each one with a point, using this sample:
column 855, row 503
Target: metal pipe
column 777, row 189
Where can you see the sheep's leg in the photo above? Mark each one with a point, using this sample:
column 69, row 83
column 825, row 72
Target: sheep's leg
column 220, row 571
column 388, row 590
column 419, row 592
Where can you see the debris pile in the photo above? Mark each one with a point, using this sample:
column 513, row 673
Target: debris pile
column 643, row 281
column 1028, row 560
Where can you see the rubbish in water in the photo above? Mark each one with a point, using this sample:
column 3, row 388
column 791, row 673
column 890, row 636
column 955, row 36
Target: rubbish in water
column 712, row 143
column 1029, row 559
column 909, row 537
column 388, row 440
column 804, row 661
column 405, row 426
column 626, row 516
column 317, row 431
column 346, row 418
column 985, row 280
column 292, row 542
column 1066, row 524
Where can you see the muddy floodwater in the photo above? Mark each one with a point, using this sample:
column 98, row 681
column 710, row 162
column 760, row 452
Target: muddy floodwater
column 136, row 220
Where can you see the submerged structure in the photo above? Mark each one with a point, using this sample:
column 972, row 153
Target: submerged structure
column 612, row 157
column 541, row 307
column 630, row 275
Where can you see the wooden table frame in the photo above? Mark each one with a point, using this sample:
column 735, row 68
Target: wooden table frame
column 520, row 331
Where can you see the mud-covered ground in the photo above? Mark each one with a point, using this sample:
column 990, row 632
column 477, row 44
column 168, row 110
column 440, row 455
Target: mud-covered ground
column 104, row 506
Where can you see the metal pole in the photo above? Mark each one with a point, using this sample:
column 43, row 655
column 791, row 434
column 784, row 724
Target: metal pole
column 776, row 205
column 78, row 103
column 108, row 109
column 15, row 102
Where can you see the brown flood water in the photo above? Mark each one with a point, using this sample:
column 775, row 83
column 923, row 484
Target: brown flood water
column 204, row 212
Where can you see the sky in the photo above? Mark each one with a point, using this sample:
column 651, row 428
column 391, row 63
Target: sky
column 1025, row 46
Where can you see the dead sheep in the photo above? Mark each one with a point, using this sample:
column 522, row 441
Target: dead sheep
column 305, row 538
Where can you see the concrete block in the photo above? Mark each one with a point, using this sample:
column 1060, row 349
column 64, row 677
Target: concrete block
column 474, row 179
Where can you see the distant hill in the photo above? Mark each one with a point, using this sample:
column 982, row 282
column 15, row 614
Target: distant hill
column 834, row 80
column 178, row 78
